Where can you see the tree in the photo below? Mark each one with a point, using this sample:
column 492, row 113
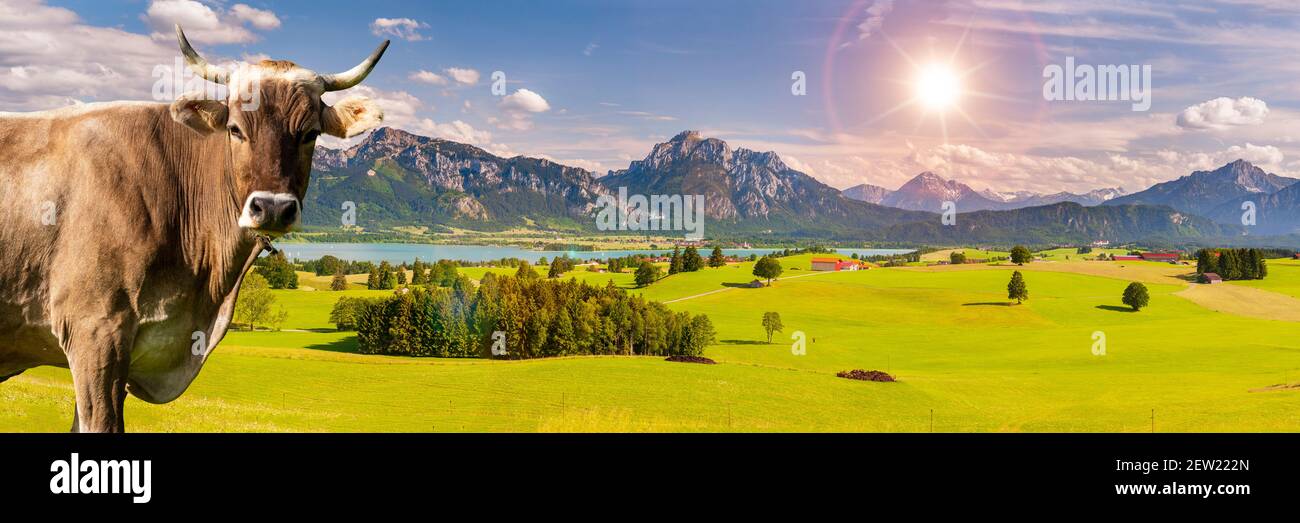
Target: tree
column 676, row 264
column 1020, row 255
column 279, row 273
column 401, row 277
column 646, row 274
column 525, row 271
column 691, row 260
column 699, row 334
column 716, row 259
column 556, row 269
column 372, row 281
column 1016, row 289
column 340, row 282
column 957, row 257
column 1135, row 295
column 329, row 264
column 1206, row 261
column 255, row 300
column 772, row 323
column 768, row 268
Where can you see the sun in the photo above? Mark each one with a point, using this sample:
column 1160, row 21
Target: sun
column 938, row 86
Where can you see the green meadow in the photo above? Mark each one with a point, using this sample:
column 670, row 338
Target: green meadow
column 965, row 360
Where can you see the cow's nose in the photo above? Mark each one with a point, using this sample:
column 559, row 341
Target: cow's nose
column 271, row 212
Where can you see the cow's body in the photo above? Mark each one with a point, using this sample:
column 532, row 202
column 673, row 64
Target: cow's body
column 126, row 228
column 76, row 248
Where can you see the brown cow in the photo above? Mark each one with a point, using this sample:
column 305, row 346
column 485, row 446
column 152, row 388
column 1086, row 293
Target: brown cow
column 126, row 228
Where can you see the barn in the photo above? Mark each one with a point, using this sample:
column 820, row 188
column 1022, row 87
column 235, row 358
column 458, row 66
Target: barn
column 836, row 264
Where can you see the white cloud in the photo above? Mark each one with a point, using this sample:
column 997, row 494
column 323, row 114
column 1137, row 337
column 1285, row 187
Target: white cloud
column 591, row 48
column 1223, row 112
column 462, row 75
column 875, row 18
column 403, row 28
column 517, row 109
column 205, row 24
column 259, row 18
column 523, row 100
column 428, row 77
column 648, row 116
column 798, row 165
column 49, row 58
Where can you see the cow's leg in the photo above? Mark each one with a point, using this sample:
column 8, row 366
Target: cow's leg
column 99, row 354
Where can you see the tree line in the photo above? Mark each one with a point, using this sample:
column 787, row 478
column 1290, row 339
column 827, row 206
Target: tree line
column 1233, row 264
column 524, row 316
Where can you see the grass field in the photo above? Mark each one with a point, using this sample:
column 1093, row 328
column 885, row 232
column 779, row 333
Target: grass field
column 960, row 352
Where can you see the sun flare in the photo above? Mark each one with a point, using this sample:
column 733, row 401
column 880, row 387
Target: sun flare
column 937, row 87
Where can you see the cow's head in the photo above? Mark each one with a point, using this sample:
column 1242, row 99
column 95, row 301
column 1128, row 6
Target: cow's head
column 273, row 116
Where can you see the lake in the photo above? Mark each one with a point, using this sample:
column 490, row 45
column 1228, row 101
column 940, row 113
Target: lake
column 408, row 252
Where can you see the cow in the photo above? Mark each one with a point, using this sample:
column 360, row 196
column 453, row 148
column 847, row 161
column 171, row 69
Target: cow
column 127, row 227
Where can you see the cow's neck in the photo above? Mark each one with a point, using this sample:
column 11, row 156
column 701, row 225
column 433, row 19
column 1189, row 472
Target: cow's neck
column 212, row 243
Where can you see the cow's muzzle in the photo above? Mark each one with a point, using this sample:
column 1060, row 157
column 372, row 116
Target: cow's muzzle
column 270, row 213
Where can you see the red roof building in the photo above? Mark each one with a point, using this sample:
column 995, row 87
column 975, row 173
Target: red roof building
column 1160, row 256
column 1124, row 257
column 836, row 264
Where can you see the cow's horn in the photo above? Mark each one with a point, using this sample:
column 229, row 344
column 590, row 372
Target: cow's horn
column 354, row 76
column 197, row 64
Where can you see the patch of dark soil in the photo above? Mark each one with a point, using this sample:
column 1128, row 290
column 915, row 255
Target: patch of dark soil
column 865, row 375
column 690, row 359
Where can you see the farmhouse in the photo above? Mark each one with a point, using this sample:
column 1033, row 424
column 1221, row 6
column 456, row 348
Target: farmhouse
column 1297, row 255
column 1211, row 278
column 1125, row 257
column 836, row 264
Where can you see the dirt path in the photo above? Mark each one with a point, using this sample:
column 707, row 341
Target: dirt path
column 1243, row 301
column 724, row 289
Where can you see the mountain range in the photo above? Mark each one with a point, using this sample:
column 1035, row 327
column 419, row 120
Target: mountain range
column 928, row 191
column 1220, row 194
column 398, row 179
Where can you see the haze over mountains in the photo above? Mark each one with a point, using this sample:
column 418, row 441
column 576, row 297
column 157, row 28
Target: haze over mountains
column 927, row 192
column 396, row 178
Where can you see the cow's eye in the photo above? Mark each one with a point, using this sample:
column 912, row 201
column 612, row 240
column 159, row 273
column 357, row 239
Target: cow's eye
column 310, row 136
column 236, row 132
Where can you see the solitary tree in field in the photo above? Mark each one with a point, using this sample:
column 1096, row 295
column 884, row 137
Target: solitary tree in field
column 646, row 274
column 772, row 323
column 717, row 259
column 1017, row 290
column 255, row 300
column 1020, row 255
column 340, row 282
column 768, row 268
column 1135, row 295
column 957, row 257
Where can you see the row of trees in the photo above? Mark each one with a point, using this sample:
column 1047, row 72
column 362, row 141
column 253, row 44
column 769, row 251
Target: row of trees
column 1233, row 264
column 329, row 265
column 386, row 277
column 520, row 317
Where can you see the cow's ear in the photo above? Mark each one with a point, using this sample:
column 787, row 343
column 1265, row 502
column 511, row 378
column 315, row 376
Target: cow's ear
column 202, row 116
column 351, row 116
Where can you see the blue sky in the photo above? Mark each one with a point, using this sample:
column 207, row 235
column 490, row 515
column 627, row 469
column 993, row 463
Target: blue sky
column 596, row 84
